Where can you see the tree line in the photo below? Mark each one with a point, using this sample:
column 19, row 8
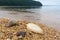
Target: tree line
column 19, row 3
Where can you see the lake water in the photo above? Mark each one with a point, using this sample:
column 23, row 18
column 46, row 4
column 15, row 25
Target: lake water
column 49, row 15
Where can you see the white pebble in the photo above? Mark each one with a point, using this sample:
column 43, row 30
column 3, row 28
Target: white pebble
column 8, row 39
column 35, row 28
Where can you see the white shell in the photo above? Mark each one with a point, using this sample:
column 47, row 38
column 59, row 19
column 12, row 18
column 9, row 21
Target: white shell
column 35, row 28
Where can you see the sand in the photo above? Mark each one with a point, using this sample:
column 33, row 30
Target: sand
column 20, row 32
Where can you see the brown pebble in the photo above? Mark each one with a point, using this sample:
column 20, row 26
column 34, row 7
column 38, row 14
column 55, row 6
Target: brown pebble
column 30, row 34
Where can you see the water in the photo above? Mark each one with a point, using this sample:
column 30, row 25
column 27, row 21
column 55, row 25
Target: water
column 49, row 15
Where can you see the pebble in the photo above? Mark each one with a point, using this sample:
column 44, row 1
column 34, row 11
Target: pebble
column 35, row 28
column 8, row 39
column 21, row 33
column 11, row 23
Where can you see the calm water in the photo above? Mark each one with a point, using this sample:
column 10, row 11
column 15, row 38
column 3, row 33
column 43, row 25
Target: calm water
column 49, row 15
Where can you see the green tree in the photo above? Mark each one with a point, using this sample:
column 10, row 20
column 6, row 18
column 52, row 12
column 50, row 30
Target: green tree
column 19, row 2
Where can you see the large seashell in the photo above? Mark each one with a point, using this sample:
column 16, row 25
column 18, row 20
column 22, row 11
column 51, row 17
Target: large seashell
column 35, row 28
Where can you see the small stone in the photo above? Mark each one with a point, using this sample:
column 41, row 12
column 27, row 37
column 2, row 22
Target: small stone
column 20, row 37
column 8, row 39
column 21, row 33
column 30, row 34
column 11, row 23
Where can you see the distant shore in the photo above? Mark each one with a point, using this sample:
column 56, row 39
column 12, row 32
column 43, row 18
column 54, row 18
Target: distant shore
column 20, row 3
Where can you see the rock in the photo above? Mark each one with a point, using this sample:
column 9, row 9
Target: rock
column 34, row 28
column 21, row 34
column 11, row 23
column 8, row 39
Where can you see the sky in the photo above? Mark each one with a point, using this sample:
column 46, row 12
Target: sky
column 50, row 2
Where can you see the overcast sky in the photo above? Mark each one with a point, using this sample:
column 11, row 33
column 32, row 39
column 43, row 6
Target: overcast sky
column 50, row 2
